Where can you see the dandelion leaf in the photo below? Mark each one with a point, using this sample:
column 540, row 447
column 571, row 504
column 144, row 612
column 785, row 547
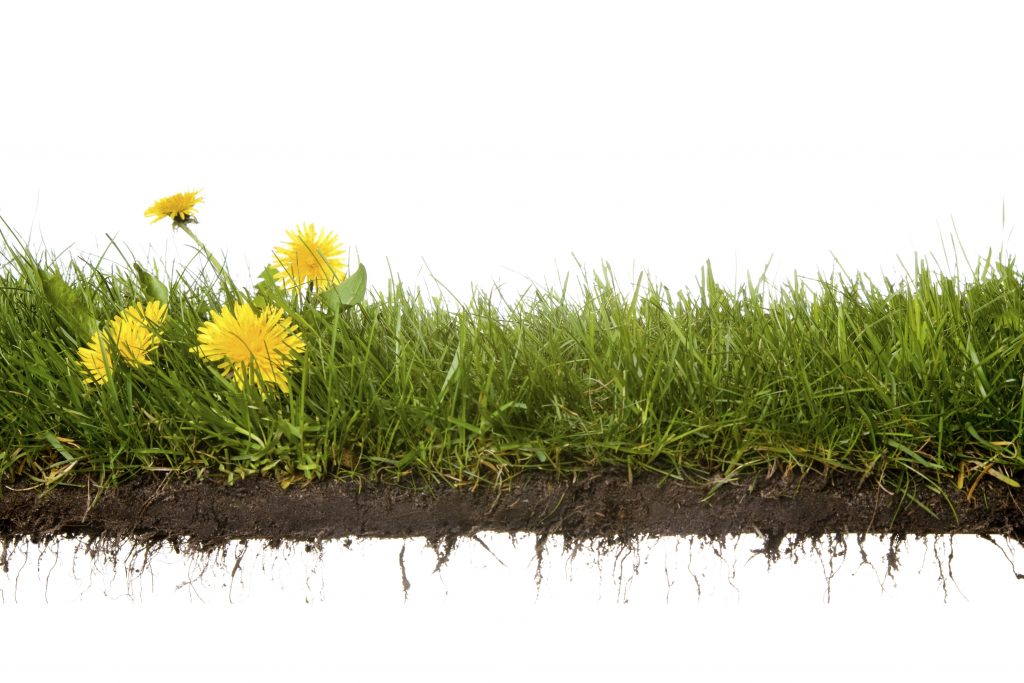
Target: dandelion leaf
column 268, row 291
column 151, row 286
column 349, row 292
column 67, row 304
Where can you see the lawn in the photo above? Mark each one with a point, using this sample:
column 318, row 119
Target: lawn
column 912, row 386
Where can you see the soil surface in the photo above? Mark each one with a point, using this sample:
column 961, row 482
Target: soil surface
column 604, row 505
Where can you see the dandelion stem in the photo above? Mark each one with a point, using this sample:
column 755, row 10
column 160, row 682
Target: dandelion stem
column 222, row 273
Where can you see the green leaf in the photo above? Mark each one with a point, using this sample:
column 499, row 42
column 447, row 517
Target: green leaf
column 67, row 304
column 289, row 429
column 267, row 278
column 84, row 324
column 465, row 425
column 153, row 288
column 1008, row 320
column 57, row 292
column 347, row 293
column 51, row 439
column 267, row 289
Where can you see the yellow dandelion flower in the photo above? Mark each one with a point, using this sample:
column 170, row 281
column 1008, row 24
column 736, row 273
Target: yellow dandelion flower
column 310, row 256
column 153, row 312
column 180, row 207
column 130, row 333
column 247, row 346
column 95, row 360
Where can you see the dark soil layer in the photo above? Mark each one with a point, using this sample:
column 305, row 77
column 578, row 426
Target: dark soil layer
column 604, row 505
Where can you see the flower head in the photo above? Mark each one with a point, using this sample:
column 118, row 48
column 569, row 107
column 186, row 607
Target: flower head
column 180, row 207
column 152, row 313
column 130, row 336
column 310, row 256
column 95, row 360
column 132, row 331
column 247, row 346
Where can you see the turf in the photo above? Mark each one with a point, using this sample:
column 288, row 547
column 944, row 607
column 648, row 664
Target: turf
column 911, row 383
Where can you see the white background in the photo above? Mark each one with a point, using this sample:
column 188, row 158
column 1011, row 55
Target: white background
column 491, row 142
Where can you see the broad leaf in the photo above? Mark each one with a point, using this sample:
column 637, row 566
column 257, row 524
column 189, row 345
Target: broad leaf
column 267, row 289
column 153, row 288
column 346, row 293
column 68, row 304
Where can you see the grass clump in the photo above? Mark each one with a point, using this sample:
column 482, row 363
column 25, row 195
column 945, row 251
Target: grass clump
column 913, row 382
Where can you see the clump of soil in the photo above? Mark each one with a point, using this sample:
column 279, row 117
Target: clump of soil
column 603, row 505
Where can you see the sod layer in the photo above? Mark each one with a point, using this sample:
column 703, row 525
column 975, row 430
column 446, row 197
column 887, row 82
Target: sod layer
column 601, row 505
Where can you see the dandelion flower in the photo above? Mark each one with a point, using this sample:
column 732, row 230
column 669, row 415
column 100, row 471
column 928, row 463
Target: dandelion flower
column 131, row 333
column 310, row 256
column 247, row 346
column 154, row 312
column 95, row 359
column 180, row 207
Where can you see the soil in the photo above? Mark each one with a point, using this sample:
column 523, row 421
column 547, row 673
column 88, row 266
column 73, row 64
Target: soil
column 604, row 505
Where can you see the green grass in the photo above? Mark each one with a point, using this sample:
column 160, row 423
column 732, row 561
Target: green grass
column 910, row 383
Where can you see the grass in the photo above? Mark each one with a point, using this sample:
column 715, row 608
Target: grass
column 913, row 383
